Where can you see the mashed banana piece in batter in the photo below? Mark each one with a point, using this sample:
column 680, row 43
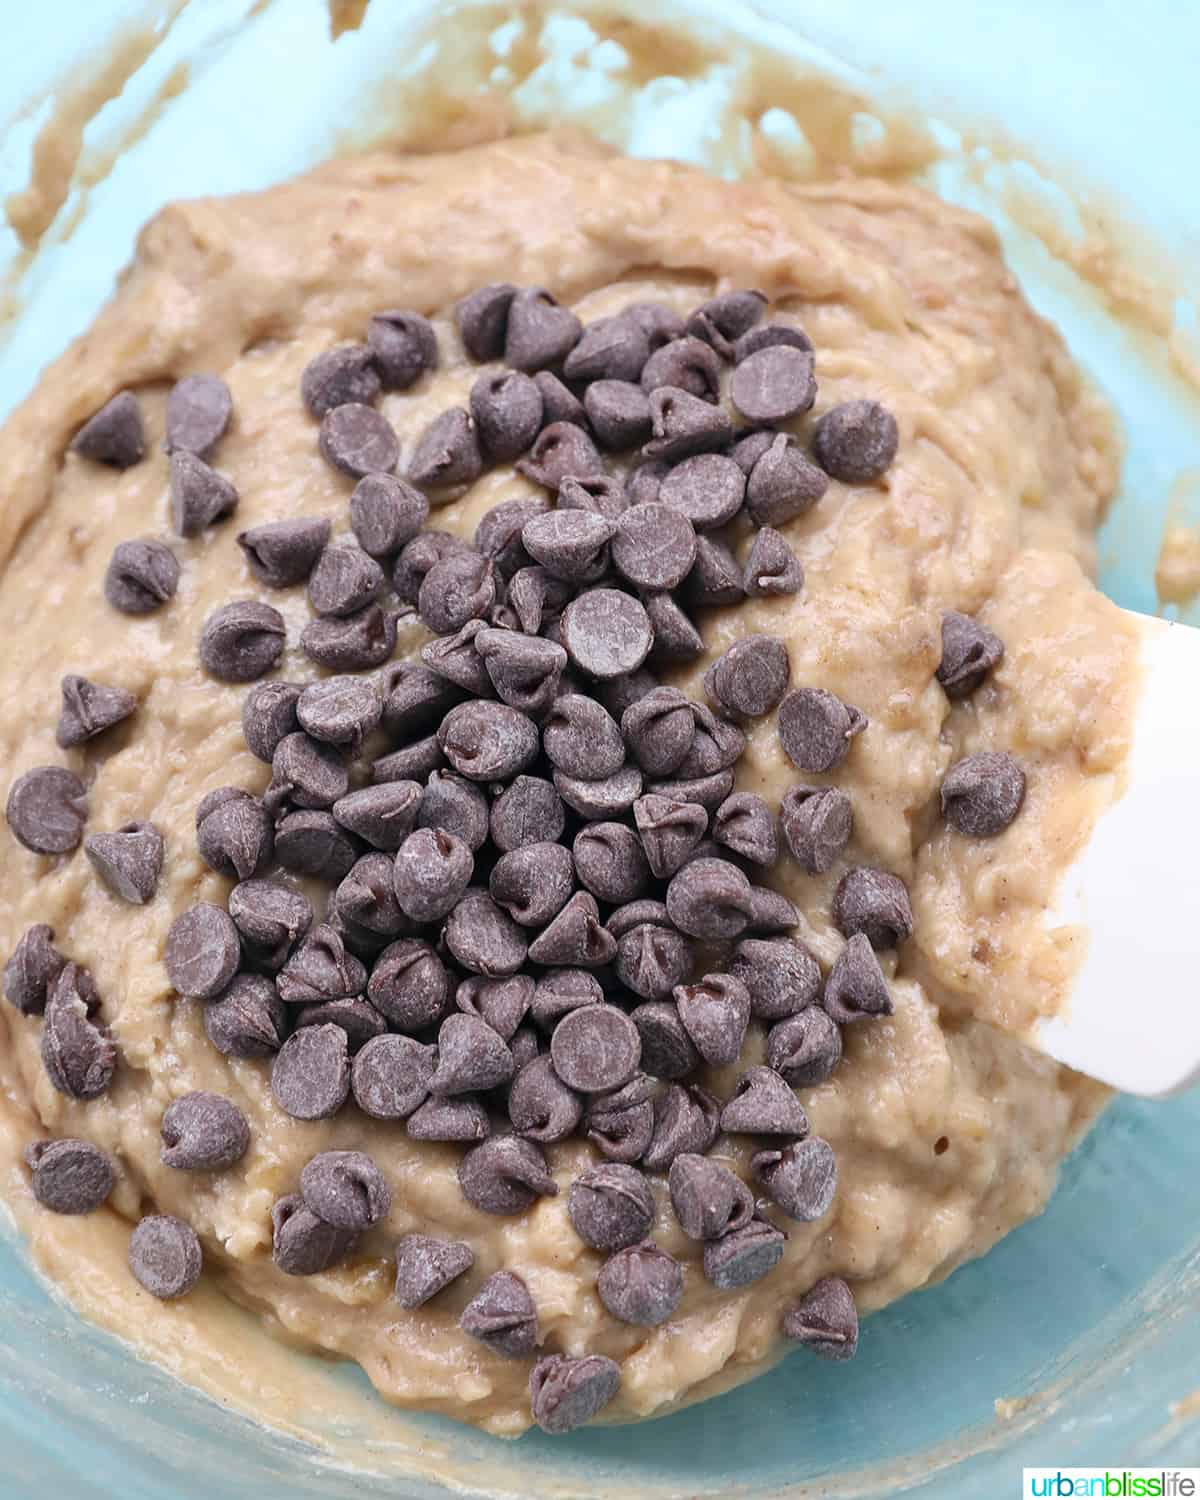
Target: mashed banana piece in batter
column 947, row 1133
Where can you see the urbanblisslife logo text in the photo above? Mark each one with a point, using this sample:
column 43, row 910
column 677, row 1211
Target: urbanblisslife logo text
column 1111, row 1484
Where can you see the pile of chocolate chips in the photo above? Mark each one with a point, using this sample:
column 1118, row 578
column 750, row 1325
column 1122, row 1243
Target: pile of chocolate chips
column 548, row 912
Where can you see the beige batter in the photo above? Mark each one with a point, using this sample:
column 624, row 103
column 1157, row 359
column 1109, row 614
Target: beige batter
column 947, row 1133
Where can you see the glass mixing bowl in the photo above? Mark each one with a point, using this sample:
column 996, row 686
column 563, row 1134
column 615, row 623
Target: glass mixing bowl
column 1083, row 1324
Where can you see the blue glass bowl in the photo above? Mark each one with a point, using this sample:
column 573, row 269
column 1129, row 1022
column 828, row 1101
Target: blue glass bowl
column 1082, row 1324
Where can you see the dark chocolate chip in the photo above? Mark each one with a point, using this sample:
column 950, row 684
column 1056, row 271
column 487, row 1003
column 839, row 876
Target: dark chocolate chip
column 659, row 729
column 801, row 1178
column 456, row 658
column 456, row 806
column 386, row 513
column 471, row 1057
column 856, row 441
column 129, row 861
column 620, row 1125
column 498, row 535
column 763, row 1104
column 595, row 800
column 675, row 636
column 540, row 332
column 343, row 581
column 595, row 1049
column 414, row 762
column 313, row 843
column 459, row 1119
column 320, row 969
column 79, row 1056
column 282, row 553
column 482, row 319
column 203, row 1132
column 565, row 1393
column 356, row 440
column 202, row 951
column 488, row 741
column 447, row 453
column 749, row 679
column 654, row 546
column 683, row 425
column 783, row 483
column 875, row 903
column 302, row 1244
column 307, row 773
column 708, row 489
column 505, row 1175
column 526, row 671
column 709, row 899
column 339, row 710
column 969, row 653
column 766, row 336
column 581, row 739
column 610, row 349
column 141, row 577
column 404, row 347
column 817, row 823
column 426, row 1266
column 669, row 830
column 46, row 810
column 561, row 451
column 242, row 640
column 355, row 644
column 575, row 938
column 856, row 987
column 709, row 1200
column 415, row 699
column 270, row 918
column 716, row 745
column 685, row 364
column 708, row 791
column 772, row 568
column 113, row 435
column 825, row 1320
column 780, row 974
column 804, row 1049
column 198, row 412
column 483, row 937
column 529, row 811
column 571, row 545
column 611, row 1206
column 661, row 324
column 199, row 495
column 815, row 728
column 642, row 483
column 532, row 883
column 619, row 413
column 310, row 1076
column 32, row 969
column 641, row 1284
column 686, row 1120
column 70, row 1176
column 715, row 1013
column 357, row 1017
column 366, row 898
column 725, row 318
column 609, row 862
column 507, row 408
column 461, row 587
column 268, row 714
column 774, row 384
column 746, row 825
column 345, row 1189
column 234, row 833
column 536, row 596
column 558, row 403
column 651, row 960
column 561, row 991
column 667, row 1050
column 433, row 869
column 747, row 451
column 606, row 633
column 418, row 556
column 88, row 709
column 503, row 1316
column 247, row 1019
column 391, row 1075
column 164, row 1254
column 502, row 1003
column 982, row 793
column 746, row 1255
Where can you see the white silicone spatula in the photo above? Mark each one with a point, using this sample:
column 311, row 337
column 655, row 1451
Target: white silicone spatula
column 1133, row 1018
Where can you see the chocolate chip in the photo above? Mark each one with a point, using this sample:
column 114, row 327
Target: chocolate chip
column 641, row 1284
column 609, row 861
column 595, row 1049
column 418, row 556
column 766, row 336
column 642, row 483
column 198, row 412
column 771, row 913
column 669, row 830
column 675, row 637
column 654, row 546
column 46, row 810
column 651, row 960
column 460, row 1119
column 501, row 1003
column 611, row 1206
column 502, row 1315
column 875, row 903
column 749, row 679
column 32, row 969
column 457, row 589
column 498, row 535
column 815, row 728
column 747, row 451
column 356, row 440
column 234, row 833
column 114, row 435
column 780, row 974
column 79, row 1057
column 320, row 969
column 433, row 869
column 483, row 937
column 199, row 495
column 202, row 951
column 128, row 861
column 709, row 1200
column 312, row 843
column 366, row 898
column 268, row 714
column 391, row 1075
column 488, row 741
column 801, row 1178
column 709, row 899
column 686, row 1121
column 716, row 745
column 385, row 514
column 343, row 581
column 774, row 384
column 455, row 806
column 772, row 568
column 856, row 441
column 471, row 1057
column 536, row 596
column 540, row 1105
column 708, row 791
column 141, row 577
column 661, row 324
column 725, row 318
column 969, row 653
column 404, row 347
column 242, row 640
column 415, row 699
column 561, row 991
column 164, row 1253
column 413, row 762
column 339, row 710
column 620, row 1125
column 507, row 408
column 667, row 1050
column 270, row 918
column 282, row 553
column 482, row 319
column 619, row 413
column 565, row 1393
column 558, row 403
column 532, row 883
column 982, row 793
column 357, row 1017
column 447, row 453
column 426, row 1266
column 763, row 1104
column 302, row 1244
column 528, row 812
column 746, row 1255
column 575, row 938
column 611, row 349
column 581, row 739
column 746, row 825
column 817, row 823
column 686, row 364
column 708, row 489
column 570, row 544
column 307, row 773
column 682, row 425
column 540, row 332
column 715, row 1013
column 505, row 1175
column 595, row 800
column 70, row 1176
column 606, row 633
column 455, row 658
column 88, row 709
column 203, row 1132
column 804, row 1049
column 355, row 644
column 783, row 483
column 526, row 671
column 659, row 729
column 247, row 1019
column 345, row 1189
column 856, row 986
column 561, row 451
column 825, row 1320
column 310, row 1076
